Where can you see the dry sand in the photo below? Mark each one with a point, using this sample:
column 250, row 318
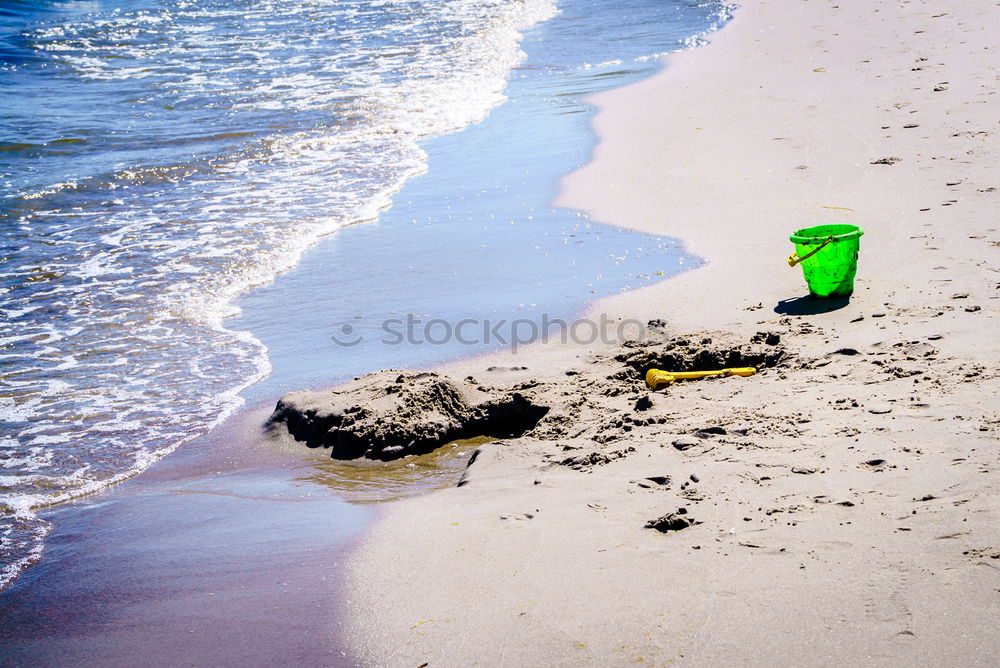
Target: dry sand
column 847, row 498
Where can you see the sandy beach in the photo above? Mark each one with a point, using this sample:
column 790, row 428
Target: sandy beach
column 839, row 508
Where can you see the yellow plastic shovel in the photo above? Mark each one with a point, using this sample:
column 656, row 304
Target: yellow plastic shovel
column 657, row 378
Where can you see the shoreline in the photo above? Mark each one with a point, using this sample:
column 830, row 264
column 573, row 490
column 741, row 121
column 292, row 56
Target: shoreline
column 846, row 498
column 178, row 497
column 218, row 360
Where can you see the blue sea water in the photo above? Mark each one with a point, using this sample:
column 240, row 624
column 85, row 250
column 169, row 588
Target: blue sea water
column 161, row 159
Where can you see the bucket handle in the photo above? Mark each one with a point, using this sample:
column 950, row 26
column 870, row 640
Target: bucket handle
column 792, row 260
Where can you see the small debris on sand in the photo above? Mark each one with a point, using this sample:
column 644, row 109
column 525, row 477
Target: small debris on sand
column 685, row 442
column 675, row 521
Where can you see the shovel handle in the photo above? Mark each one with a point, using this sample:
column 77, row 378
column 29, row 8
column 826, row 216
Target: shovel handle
column 655, row 378
column 736, row 371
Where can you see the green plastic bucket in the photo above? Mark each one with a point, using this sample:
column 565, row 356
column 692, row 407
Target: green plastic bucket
column 829, row 258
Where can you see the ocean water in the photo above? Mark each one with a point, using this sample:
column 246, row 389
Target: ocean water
column 160, row 159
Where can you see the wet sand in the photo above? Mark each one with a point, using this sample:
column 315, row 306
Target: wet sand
column 840, row 507
column 224, row 553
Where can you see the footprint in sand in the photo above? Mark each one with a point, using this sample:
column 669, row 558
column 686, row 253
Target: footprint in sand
column 876, row 465
column 656, row 481
column 888, row 601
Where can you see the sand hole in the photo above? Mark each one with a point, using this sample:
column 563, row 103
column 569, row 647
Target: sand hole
column 763, row 351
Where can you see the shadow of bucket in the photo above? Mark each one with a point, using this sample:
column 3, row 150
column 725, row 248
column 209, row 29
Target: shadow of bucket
column 829, row 258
